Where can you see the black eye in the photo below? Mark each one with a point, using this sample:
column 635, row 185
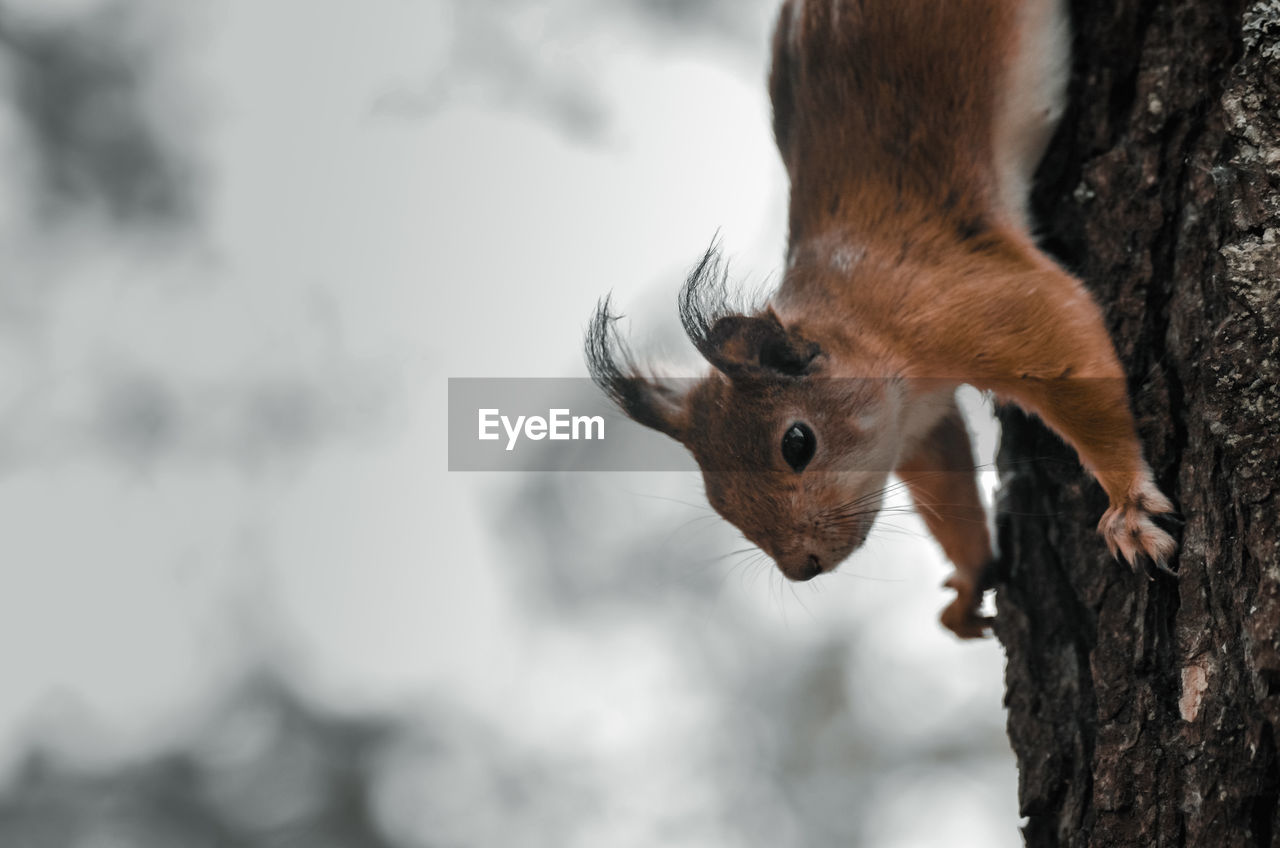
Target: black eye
column 798, row 445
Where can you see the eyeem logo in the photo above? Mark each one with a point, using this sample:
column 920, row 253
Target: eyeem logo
column 550, row 424
column 559, row 425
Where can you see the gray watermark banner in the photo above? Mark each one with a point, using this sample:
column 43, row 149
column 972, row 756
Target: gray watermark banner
column 550, row 424
column 566, row 424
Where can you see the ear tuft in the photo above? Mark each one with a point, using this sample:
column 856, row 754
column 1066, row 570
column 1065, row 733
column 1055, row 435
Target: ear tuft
column 704, row 300
column 613, row 369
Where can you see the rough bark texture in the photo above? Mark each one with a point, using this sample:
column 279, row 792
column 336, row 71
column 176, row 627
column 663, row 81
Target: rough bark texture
column 1142, row 712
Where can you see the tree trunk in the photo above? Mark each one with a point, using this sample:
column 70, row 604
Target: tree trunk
column 1144, row 712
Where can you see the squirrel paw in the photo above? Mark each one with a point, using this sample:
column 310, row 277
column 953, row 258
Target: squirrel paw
column 962, row 617
column 1132, row 531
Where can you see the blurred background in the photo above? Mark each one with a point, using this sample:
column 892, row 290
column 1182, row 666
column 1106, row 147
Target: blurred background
column 243, row 602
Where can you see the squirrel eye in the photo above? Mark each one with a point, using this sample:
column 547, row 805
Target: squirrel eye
column 798, row 445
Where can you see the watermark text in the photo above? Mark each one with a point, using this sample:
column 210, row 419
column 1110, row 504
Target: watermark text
column 559, row 425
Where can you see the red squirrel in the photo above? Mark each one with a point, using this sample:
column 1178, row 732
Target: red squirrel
column 910, row 130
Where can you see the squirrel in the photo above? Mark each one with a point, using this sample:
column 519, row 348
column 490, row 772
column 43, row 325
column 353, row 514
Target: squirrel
column 910, row 131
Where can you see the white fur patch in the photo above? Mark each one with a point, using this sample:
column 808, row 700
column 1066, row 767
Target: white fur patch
column 797, row 18
column 845, row 258
column 1035, row 96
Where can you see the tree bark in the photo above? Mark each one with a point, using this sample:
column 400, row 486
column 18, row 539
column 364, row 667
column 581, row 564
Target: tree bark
column 1144, row 712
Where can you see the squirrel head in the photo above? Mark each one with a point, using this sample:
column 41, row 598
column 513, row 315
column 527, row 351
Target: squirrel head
column 793, row 453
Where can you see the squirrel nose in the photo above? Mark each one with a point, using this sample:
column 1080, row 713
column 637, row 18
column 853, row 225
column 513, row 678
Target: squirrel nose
column 811, row 568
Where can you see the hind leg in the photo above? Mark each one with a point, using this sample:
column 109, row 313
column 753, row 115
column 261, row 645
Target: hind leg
column 941, row 477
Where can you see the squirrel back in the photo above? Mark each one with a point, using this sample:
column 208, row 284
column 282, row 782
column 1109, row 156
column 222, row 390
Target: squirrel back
column 940, row 105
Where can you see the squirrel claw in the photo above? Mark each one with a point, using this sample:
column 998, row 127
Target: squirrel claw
column 1152, row 567
column 1133, row 534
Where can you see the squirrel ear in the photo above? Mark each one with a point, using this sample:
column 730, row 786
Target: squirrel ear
column 758, row 346
column 653, row 404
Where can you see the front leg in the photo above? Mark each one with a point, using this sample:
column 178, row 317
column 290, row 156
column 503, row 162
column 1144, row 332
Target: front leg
column 1092, row 414
column 1047, row 349
column 939, row 472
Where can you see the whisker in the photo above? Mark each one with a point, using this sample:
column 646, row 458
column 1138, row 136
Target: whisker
column 746, row 563
column 684, row 525
column 653, row 497
column 802, row 604
column 859, row 576
column 893, row 528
